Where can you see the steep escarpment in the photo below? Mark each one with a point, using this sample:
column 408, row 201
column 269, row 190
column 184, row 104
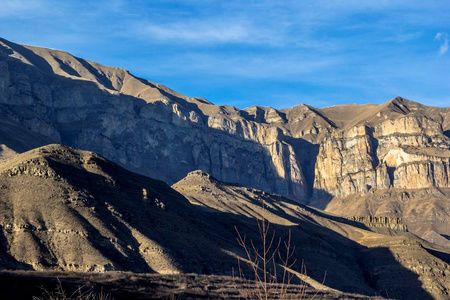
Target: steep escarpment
column 409, row 151
column 396, row 165
column 308, row 154
column 142, row 125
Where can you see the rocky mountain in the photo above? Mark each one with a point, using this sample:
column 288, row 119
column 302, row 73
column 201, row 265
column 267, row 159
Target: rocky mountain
column 72, row 210
column 313, row 156
column 65, row 209
column 401, row 144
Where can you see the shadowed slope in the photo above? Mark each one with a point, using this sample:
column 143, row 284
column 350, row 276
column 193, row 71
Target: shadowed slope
column 394, row 263
column 67, row 209
column 72, row 210
column 52, row 96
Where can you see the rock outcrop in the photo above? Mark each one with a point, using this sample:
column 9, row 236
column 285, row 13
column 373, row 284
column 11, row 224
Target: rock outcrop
column 393, row 223
column 407, row 152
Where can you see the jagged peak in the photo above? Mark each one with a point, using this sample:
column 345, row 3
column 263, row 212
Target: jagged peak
column 264, row 114
column 401, row 105
column 198, row 173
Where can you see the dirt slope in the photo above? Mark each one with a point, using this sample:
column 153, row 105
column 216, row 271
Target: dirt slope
column 67, row 209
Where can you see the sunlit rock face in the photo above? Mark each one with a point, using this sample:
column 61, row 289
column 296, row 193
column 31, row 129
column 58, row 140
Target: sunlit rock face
column 298, row 152
column 408, row 152
column 314, row 156
column 141, row 125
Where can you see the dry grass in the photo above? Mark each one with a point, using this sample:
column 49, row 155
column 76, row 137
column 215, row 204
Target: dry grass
column 81, row 293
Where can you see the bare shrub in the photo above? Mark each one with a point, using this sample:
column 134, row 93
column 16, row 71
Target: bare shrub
column 270, row 266
column 81, row 293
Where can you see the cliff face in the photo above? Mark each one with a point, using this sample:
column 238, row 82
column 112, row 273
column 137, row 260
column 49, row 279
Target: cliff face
column 142, row 125
column 408, row 152
column 389, row 223
column 307, row 154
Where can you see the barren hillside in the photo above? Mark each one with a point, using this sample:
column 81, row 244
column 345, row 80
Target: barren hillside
column 321, row 157
column 72, row 210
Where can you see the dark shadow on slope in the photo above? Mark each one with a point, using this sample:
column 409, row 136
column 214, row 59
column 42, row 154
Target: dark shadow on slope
column 100, row 77
column 320, row 199
column 82, row 132
column 447, row 133
column 83, row 180
column 130, row 261
column 8, row 262
column 283, row 200
column 36, row 60
column 319, row 113
column 373, row 142
column 389, row 277
column 390, row 171
column 66, row 68
column 166, row 227
column 17, row 137
column 306, row 152
column 324, row 250
column 441, row 255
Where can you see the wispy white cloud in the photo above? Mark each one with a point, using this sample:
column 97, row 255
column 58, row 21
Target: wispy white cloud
column 197, row 32
column 443, row 37
column 206, row 31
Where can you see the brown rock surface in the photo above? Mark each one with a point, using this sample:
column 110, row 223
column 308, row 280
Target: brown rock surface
column 307, row 154
column 66, row 209
column 142, row 125
column 426, row 212
column 407, row 151
column 390, row 258
column 72, row 210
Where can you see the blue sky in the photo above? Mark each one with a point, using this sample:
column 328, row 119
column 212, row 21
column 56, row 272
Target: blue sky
column 244, row 53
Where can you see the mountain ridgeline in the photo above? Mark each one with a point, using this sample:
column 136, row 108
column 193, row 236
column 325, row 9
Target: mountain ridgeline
column 321, row 157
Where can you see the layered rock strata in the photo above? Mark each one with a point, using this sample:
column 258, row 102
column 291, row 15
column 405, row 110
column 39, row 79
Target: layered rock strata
column 409, row 152
column 142, row 125
column 393, row 223
column 307, row 154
